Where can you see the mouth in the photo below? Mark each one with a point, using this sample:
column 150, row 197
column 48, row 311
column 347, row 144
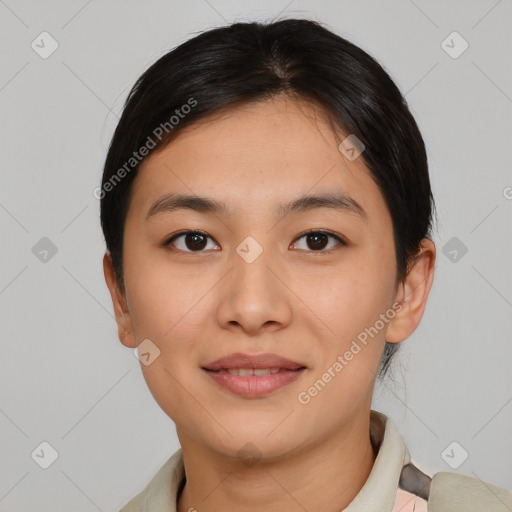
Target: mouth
column 254, row 376
column 258, row 372
column 253, row 362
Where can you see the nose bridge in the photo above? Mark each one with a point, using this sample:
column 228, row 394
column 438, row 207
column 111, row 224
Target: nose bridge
column 255, row 297
column 251, row 261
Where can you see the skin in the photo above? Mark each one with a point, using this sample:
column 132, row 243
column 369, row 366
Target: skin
column 295, row 300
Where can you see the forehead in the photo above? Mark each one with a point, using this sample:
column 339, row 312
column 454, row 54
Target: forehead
column 249, row 157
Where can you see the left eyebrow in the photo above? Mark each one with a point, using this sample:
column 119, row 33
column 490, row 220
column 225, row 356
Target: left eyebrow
column 335, row 201
column 306, row 202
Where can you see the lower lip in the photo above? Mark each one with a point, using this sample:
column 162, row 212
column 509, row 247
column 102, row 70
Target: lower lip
column 254, row 386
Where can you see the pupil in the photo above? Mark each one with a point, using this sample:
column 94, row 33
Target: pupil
column 199, row 241
column 318, row 238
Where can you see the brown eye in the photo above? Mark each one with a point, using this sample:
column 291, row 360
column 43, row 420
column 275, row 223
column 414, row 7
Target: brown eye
column 189, row 241
column 317, row 241
column 197, row 241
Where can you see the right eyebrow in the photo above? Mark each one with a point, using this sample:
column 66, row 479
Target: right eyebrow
column 173, row 202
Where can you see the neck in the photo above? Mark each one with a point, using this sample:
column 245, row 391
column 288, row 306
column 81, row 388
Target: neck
column 326, row 476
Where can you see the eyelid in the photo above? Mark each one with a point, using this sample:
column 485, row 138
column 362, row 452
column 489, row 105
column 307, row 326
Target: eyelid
column 340, row 237
column 342, row 240
column 168, row 241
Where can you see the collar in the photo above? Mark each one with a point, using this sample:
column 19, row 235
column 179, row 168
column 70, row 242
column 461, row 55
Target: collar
column 378, row 493
column 379, row 490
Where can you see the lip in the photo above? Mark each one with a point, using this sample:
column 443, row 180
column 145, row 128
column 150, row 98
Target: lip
column 254, row 386
column 240, row 360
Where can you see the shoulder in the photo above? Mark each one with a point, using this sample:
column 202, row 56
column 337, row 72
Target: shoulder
column 448, row 492
column 462, row 493
column 160, row 493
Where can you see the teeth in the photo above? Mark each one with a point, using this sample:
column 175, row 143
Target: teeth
column 263, row 371
column 245, row 372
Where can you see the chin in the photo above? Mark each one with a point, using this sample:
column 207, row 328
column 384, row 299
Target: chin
column 249, row 447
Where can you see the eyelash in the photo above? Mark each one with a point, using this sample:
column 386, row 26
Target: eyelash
column 170, row 240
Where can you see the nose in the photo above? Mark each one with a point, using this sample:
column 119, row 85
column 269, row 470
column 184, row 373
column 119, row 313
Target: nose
column 255, row 298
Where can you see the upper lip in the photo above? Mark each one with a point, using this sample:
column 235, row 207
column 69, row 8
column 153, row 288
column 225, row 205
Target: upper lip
column 240, row 360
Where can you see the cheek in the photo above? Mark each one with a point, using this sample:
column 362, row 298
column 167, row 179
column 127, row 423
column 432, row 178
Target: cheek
column 351, row 296
column 160, row 298
column 167, row 310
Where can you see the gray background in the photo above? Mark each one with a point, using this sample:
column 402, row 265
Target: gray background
column 65, row 377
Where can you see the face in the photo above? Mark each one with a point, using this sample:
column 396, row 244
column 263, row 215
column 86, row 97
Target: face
column 302, row 283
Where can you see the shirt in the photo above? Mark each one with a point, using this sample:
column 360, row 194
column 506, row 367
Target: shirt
column 395, row 484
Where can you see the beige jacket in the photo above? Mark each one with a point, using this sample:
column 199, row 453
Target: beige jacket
column 394, row 484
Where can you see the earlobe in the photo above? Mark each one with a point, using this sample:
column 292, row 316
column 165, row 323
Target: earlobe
column 413, row 293
column 122, row 314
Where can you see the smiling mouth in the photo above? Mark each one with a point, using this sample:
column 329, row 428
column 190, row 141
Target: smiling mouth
column 247, row 372
column 254, row 382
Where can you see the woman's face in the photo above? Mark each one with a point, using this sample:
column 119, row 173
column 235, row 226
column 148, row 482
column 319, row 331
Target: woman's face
column 255, row 282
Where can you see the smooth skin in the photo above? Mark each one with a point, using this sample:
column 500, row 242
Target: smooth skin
column 299, row 299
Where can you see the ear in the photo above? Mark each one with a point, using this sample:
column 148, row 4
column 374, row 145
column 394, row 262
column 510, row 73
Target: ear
column 123, row 319
column 412, row 293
